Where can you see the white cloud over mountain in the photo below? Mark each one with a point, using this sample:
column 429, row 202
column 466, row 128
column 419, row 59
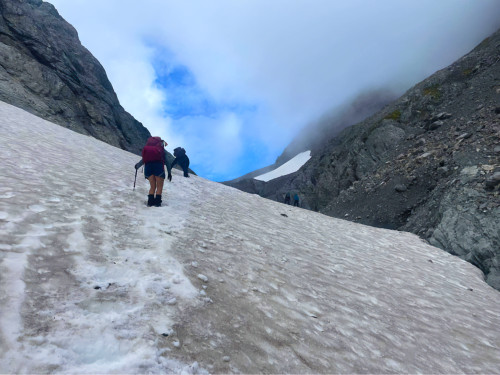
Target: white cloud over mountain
column 289, row 61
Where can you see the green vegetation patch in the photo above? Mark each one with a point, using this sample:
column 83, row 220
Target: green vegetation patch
column 396, row 115
column 467, row 72
column 433, row 91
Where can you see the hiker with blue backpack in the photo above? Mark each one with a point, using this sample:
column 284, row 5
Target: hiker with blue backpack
column 154, row 158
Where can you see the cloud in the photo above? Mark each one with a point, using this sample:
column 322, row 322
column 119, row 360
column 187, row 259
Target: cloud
column 269, row 66
column 219, row 141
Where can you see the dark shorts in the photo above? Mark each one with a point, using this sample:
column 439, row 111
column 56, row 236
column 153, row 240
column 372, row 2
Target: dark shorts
column 154, row 168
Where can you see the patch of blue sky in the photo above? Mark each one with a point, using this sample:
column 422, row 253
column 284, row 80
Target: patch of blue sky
column 250, row 160
column 219, row 152
column 184, row 96
column 214, row 130
column 224, row 126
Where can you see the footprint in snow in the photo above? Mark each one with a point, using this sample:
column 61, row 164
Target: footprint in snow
column 177, row 279
column 36, row 208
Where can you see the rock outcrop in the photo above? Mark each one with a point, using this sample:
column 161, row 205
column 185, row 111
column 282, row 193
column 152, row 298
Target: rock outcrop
column 428, row 163
column 45, row 70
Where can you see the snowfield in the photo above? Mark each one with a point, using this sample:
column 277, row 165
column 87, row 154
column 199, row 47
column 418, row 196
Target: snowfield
column 217, row 280
column 291, row 166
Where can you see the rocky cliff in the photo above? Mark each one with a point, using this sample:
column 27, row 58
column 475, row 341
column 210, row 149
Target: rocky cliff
column 45, row 70
column 428, row 163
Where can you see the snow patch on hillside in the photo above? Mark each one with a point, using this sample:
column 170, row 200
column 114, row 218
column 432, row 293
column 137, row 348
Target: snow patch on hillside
column 291, row 166
column 217, row 280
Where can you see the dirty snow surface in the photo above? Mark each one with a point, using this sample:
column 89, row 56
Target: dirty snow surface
column 217, row 280
column 291, row 166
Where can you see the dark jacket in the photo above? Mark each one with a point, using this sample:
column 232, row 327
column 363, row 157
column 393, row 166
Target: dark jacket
column 182, row 159
column 183, row 162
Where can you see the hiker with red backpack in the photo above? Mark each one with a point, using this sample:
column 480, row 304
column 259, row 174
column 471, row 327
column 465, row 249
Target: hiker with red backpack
column 154, row 157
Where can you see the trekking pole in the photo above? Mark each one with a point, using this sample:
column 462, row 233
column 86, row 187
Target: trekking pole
column 135, row 179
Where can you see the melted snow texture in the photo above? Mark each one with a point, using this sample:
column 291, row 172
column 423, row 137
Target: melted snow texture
column 291, row 166
column 93, row 281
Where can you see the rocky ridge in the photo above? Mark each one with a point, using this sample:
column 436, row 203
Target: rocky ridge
column 45, row 70
column 428, row 163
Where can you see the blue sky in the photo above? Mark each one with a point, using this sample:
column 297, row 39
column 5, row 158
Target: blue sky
column 198, row 116
column 234, row 81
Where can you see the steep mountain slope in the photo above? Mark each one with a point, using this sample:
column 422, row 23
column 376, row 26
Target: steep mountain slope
column 45, row 70
column 93, row 281
column 428, row 163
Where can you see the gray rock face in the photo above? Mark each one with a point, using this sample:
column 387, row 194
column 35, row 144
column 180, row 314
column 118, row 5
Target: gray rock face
column 440, row 142
column 470, row 231
column 45, row 70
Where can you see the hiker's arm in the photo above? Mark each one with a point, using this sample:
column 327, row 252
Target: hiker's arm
column 169, row 167
column 140, row 164
column 174, row 163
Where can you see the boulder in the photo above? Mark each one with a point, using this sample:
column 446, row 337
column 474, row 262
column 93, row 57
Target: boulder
column 492, row 181
column 436, row 124
column 400, row 188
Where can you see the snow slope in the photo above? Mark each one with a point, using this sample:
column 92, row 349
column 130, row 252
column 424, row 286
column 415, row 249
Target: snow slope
column 291, row 166
column 93, row 281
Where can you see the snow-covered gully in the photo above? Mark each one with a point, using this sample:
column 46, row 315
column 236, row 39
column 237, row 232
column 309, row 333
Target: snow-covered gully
column 217, row 280
column 291, row 166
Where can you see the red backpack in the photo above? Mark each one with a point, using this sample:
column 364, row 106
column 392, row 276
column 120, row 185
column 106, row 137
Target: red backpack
column 153, row 151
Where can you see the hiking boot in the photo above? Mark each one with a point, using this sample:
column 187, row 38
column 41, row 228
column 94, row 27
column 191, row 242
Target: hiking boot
column 151, row 200
column 157, row 202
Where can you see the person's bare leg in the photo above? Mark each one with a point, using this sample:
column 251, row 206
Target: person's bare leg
column 152, row 184
column 159, row 189
column 159, row 185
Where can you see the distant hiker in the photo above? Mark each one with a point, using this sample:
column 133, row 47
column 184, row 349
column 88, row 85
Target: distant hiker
column 182, row 159
column 296, row 200
column 287, row 198
column 154, row 157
